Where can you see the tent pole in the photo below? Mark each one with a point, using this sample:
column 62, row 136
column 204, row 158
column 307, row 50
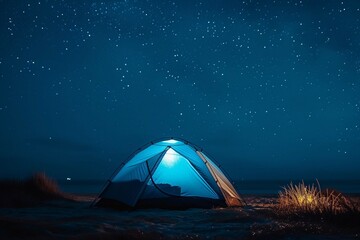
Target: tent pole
column 107, row 184
column 150, row 173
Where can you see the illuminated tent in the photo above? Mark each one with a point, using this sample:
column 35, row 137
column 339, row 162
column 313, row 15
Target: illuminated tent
column 169, row 174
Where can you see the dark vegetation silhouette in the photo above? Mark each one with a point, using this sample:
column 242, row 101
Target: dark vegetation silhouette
column 29, row 192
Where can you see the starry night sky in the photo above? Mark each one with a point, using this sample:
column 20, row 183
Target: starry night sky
column 270, row 89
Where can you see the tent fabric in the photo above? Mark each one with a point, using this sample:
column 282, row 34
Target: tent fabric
column 170, row 169
column 145, row 154
column 229, row 191
column 190, row 153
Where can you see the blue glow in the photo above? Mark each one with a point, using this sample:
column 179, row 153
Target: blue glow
column 176, row 171
column 170, row 158
column 171, row 141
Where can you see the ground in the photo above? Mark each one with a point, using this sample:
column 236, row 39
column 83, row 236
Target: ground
column 69, row 219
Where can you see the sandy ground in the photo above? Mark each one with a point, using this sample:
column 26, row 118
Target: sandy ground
column 62, row 219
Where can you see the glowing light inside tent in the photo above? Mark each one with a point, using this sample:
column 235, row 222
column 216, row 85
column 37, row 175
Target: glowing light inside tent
column 172, row 141
column 170, row 158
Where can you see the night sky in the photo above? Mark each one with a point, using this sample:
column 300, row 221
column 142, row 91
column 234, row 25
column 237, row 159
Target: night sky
column 269, row 89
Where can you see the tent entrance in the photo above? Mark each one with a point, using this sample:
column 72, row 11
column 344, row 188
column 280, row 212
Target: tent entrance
column 175, row 176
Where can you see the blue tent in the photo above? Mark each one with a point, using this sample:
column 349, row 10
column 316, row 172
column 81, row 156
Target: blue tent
column 169, row 174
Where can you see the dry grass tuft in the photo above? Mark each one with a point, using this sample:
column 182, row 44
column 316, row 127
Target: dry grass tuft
column 302, row 198
column 42, row 184
column 29, row 192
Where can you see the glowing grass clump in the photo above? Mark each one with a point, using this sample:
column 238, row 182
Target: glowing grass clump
column 310, row 199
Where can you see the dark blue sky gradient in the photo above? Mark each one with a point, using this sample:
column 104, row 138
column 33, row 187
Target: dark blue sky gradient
column 270, row 89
